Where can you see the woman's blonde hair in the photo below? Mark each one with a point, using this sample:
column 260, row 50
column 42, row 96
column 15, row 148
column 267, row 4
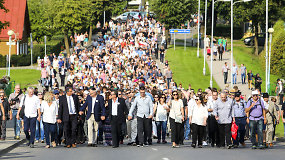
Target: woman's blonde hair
column 48, row 97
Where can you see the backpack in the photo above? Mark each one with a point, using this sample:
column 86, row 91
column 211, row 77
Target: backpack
column 256, row 105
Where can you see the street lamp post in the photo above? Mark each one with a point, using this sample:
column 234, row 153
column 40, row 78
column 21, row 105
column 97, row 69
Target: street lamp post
column 270, row 31
column 198, row 20
column 10, row 33
column 205, row 32
column 232, row 35
column 266, row 47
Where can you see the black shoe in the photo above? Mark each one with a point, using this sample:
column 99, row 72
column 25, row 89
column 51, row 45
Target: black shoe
column 32, row 146
column 158, row 141
column 129, row 143
column 199, row 146
column 115, row 146
column 89, row 145
column 193, row 145
column 164, row 141
column 94, row 145
column 149, row 143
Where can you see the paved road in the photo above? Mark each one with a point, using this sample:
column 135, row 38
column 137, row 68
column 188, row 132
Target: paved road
column 154, row 152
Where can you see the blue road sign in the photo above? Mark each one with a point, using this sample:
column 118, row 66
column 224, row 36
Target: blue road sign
column 179, row 31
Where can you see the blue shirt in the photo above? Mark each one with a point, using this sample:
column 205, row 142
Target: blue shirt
column 239, row 109
column 256, row 112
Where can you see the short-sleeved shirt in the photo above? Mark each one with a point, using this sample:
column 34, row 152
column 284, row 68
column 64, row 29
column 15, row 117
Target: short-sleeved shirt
column 256, row 112
column 225, row 68
column 242, row 69
column 235, row 70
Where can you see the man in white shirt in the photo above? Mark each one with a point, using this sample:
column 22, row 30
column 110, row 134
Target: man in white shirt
column 234, row 73
column 32, row 111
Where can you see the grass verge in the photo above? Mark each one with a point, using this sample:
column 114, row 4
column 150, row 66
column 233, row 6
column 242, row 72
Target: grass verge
column 187, row 68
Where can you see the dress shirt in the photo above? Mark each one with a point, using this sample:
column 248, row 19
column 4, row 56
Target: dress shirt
column 115, row 107
column 210, row 105
column 224, row 111
column 161, row 113
column 49, row 112
column 94, row 100
column 70, row 103
column 32, row 104
column 144, row 106
column 239, row 109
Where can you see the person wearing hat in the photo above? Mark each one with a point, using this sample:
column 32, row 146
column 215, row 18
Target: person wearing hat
column 239, row 118
column 272, row 119
column 256, row 116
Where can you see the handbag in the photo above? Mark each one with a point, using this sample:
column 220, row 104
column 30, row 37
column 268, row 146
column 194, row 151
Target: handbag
column 234, row 130
column 22, row 112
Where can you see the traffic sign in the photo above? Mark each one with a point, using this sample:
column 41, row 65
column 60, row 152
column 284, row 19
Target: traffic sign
column 179, row 31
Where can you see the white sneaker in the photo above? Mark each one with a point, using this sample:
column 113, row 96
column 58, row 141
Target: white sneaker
column 205, row 143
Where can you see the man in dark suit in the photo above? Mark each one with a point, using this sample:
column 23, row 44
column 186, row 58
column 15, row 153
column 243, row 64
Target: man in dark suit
column 62, row 73
column 68, row 114
column 118, row 111
column 95, row 113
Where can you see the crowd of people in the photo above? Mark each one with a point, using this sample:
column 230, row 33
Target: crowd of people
column 119, row 91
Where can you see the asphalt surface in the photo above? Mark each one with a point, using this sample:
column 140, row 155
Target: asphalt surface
column 153, row 152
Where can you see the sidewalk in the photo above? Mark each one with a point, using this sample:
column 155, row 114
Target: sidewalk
column 10, row 143
column 219, row 77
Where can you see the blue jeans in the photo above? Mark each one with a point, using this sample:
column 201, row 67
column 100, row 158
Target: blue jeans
column 243, row 78
column 39, row 130
column 234, row 78
column 50, row 132
column 161, row 129
column 240, row 122
column 30, row 125
column 284, row 129
column 256, row 127
column 186, row 129
column 17, row 123
column 168, row 82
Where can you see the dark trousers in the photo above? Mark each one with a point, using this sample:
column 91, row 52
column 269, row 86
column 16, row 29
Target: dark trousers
column 30, row 125
column 123, row 130
column 70, row 129
column 168, row 82
column 62, row 79
column 181, row 136
column 144, row 129
column 220, row 56
column 197, row 133
column 161, row 129
column 3, row 127
column 225, row 77
column 50, row 81
column 161, row 58
column 225, row 131
column 214, row 136
column 175, row 131
column 59, row 133
column 115, row 130
column 240, row 122
column 281, row 99
column 100, row 132
column 50, row 132
column 80, row 131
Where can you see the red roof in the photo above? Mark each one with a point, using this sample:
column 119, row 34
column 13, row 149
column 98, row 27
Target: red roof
column 15, row 16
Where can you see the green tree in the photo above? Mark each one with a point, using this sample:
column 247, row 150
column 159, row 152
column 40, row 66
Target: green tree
column 69, row 15
column 5, row 23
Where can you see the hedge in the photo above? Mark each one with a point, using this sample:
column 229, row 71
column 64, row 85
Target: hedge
column 53, row 46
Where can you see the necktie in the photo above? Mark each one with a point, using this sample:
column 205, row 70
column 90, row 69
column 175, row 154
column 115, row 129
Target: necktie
column 70, row 107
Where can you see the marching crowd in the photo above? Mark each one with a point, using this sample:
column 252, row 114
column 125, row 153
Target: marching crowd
column 115, row 91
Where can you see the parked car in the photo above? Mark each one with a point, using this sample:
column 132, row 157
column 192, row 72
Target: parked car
column 123, row 17
column 250, row 40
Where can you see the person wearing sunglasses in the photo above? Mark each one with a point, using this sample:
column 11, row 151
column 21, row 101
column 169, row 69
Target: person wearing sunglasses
column 198, row 115
column 176, row 117
column 255, row 110
column 160, row 113
column 39, row 124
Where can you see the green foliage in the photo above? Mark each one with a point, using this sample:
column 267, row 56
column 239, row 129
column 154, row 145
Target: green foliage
column 5, row 23
column 278, row 50
column 173, row 13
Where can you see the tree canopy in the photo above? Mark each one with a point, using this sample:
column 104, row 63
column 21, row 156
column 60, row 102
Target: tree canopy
column 2, row 7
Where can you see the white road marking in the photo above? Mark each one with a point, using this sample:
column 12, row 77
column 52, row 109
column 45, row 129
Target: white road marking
column 165, row 158
column 154, row 149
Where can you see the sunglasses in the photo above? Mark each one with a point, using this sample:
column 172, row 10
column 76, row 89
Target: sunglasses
column 175, row 94
column 155, row 97
column 1, row 95
column 39, row 94
column 196, row 99
column 254, row 95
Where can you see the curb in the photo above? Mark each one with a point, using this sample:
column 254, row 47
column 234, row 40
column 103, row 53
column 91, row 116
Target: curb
column 280, row 139
column 10, row 148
